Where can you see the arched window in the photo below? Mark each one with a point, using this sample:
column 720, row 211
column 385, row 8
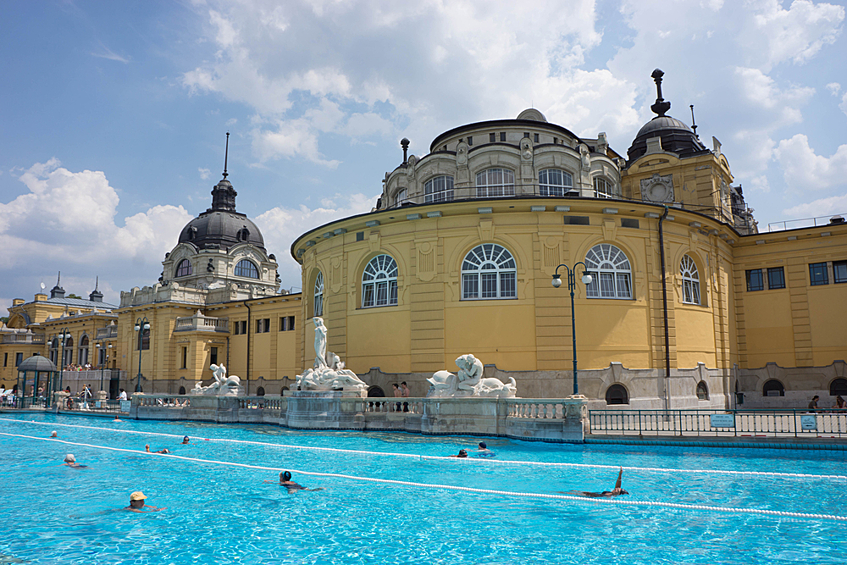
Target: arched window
column 82, row 355
column 319, row 295
column 375, row 391
column 261, row 391
column 181, row 390
column 702, row 391
column 773, row 388
column 243, row 234
column 495, row 182
column 603, row 188
column 690, row 280
column 379, row 282
column 838, row 387
column 616, row 394
column 54, row 350
column 489, row 271
column 611, row 272
column 68, row 356
column 183, row 269
column 554, row 182
column 247, row 269
column 144, row 340
column 400, row 197
column 438, row 189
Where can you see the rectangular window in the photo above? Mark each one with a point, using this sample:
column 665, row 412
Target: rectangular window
column 489, row 285
column 213, row 356
column 577, row 220
column 470, row 140
column 492, row 137
column 502, row 136
column 776, row 278
column 19, row 357
column 536, row 138
column 817, row 274
column 263, row 325
column 755, row 280
column 508, row 285
column 629, row 223
column 555, row 140
column 360, row 236
column 470, row 286
column 290, row 323
column 184, row 358
column 839, row 271
column 283, row 322
column 5, row 359
column 526, row 134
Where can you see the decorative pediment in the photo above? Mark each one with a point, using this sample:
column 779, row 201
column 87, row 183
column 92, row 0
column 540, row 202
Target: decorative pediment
column 658, row 188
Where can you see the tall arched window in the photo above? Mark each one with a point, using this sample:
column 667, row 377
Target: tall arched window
column 319, row 295
column 603, row 188
column 438, row 189
column 400, row 197
column 54, row 350
column 183, row 269
column 82, row 355
column 554, row 182
column 702, row 391
column 489, row 271
column 495, row 182
column 247, row 269
column 379, row 282
column 68, row 356
column 690, row 280
column 612, row 274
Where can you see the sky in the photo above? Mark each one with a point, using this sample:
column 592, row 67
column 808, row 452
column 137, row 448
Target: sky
column 114, row 114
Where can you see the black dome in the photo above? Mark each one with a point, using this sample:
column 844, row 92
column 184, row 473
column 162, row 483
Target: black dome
column 36, row 363
column 221, row 226
column 676, row 136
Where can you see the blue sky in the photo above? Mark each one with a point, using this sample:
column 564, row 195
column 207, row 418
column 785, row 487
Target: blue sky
column 115, row 113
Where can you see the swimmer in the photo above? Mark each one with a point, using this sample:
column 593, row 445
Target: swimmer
column 606, row 493
column 483, row 451
column 285, row 481
column 186, row 441
column 117, row 419
column 461, row 455
column 54, row 434
column 136, row 503
column 70, row 461
column 147, row 449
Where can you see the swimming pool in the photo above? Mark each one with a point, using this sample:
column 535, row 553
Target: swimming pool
column 219, row 510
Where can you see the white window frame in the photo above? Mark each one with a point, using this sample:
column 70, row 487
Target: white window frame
column 489, row 272
column 603, row 188
column 611, row 273
column 379, row 282
column 238, row 267
column 401, row 196
column 319, row 295
column 438, row 189
column 495, row 183
column 690, row 281
column 554, row 182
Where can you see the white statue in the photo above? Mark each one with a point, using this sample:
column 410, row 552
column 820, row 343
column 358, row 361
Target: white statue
column 469, row 382
column 328, row 372
column 222, row 385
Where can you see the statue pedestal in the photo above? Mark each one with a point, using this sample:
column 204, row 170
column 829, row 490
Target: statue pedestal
column 325, row 409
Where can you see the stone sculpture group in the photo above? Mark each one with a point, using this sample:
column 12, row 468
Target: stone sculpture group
column 223, row 384
column 328, row 372
column 469, row 382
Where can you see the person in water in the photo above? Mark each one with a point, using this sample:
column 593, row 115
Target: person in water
column 462, row 454
column 285, row 481
column 70, row 461
column 617, row 491
column 483, row 451
column 186, row 441
column 136, row 503
column 147, row 449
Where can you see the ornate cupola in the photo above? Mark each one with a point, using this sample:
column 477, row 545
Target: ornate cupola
column 96, row 295
column 57, row 291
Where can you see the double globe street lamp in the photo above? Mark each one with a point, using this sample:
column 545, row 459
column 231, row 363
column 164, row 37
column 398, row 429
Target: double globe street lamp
column 557, row 282
column 141, row 325
column 64, row 335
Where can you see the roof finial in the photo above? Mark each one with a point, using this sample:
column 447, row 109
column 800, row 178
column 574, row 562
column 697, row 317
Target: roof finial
column 59, row 280
column 226, row 154
column 660, row 107
column 404, row 143
column 96, row 283
column 693, row 123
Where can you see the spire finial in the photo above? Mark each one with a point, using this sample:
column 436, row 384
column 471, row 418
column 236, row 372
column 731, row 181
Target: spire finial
column 96, row 283
column 693, row 123
column 226, row 154
column 660, row 107
column 59, row 280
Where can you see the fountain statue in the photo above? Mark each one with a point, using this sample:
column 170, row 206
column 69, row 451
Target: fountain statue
column 223, row 385
column 469, row 382
column 328, row 372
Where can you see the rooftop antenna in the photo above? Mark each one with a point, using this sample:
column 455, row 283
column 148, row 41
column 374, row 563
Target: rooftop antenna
column 693, row 123
column 59, row 280
column 226, row 154
column 96, row 283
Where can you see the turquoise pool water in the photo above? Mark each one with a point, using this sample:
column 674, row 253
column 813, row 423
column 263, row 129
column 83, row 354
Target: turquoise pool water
column 221, row 513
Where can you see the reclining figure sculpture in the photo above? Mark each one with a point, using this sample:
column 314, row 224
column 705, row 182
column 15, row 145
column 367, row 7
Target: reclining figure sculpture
column 469, row 382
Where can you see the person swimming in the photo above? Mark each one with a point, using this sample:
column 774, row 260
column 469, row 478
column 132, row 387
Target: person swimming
column 483, row 451
column 285, row 481
column 186, row 440
column 461, row 455
column 70, row 461
column 617, row 491
column 147, row 449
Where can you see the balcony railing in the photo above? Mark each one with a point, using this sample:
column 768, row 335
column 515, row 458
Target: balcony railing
column 24, row 337
column 201, row 323
column 830, row 220
column 107, row 333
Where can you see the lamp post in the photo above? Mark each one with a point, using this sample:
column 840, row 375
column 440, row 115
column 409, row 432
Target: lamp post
column 64, row 334
column 141, row 325
column 557, row 282
column 103, row 355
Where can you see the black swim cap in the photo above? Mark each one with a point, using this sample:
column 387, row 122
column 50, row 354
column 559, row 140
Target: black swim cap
column 482, row 445
column 286, row 476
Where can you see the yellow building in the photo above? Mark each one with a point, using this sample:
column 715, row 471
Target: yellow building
column 687, row 304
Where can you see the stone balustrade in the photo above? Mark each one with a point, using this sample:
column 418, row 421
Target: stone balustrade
column 201, row 323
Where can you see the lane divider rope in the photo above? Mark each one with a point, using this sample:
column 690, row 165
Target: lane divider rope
column 486, row 461
column 724, row 509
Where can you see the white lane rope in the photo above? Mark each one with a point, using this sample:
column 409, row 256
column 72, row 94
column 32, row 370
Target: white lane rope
column 724, row 509
column 487, row 460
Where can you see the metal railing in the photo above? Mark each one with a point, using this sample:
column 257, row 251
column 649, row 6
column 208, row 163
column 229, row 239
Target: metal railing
column 832, row 219
column 719, row 423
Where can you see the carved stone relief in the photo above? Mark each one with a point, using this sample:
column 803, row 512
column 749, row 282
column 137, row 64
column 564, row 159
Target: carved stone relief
column 658, row 188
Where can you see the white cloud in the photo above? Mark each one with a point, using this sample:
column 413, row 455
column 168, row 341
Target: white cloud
column 822, row 207
column 281, row 225
column 804, row 170
column 106, row 53
column 834, row 88
column 843, row 105
column 761, row 89
column 204, row 173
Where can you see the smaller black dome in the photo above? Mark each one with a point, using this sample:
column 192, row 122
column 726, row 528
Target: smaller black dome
column 36, row 363
column 676, row 136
